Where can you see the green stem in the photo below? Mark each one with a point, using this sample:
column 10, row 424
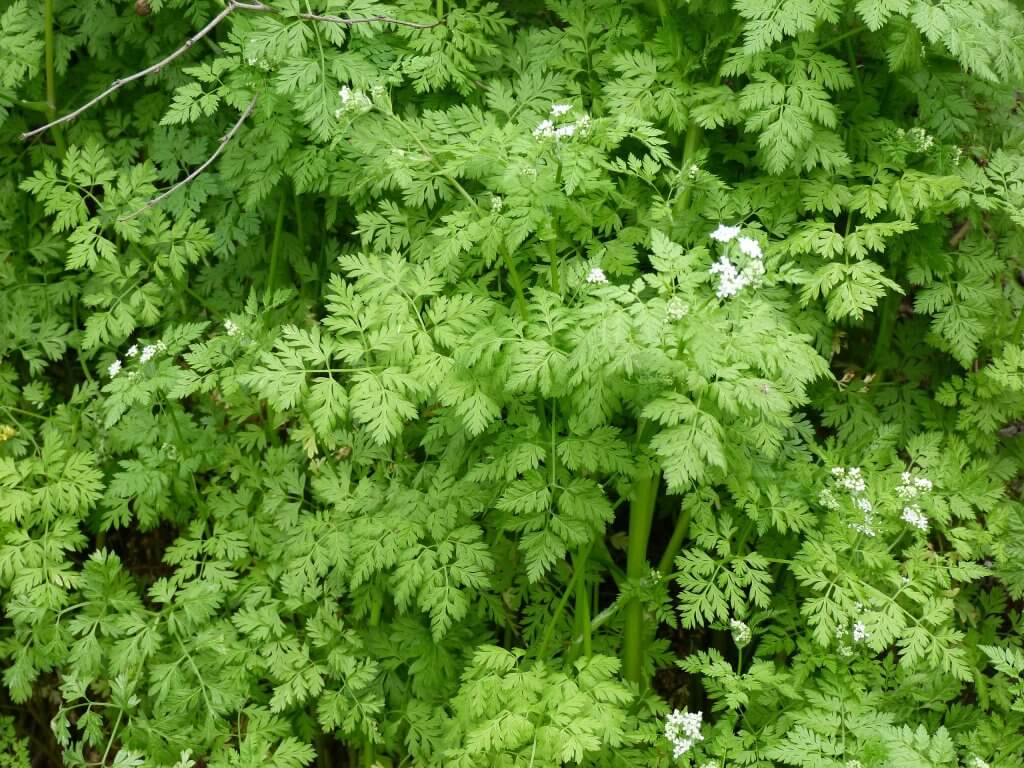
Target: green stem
column 583, row 599
column 886, row 326
column 579, row 566
column 300, row 232
column 51, row 73
column 674, row 544
column 641, row 515
column 517, row 284
column 275, row 249
column 690, row 147
column 553, row 262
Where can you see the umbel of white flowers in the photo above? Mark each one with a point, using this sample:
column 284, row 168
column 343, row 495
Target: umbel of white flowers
column 682, row 729
column 548, row 129
column 747, row 269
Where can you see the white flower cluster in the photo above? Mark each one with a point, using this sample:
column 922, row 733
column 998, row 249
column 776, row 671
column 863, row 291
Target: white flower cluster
column 547, row 129
column 148, row 353
column 912, row 514
column 740, row 631
column 977, row 762
column 857, row 632
column 710, row 764
column 230, row 327
column 353, row 100
column 860, row 632
column 851, row 480
column 683, row 730
column 676, row 309
column 910, row 488
column 920, row 140
column 733, row 278
column 596, row 276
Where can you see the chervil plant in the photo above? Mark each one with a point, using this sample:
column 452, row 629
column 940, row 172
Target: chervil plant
column 512, row 384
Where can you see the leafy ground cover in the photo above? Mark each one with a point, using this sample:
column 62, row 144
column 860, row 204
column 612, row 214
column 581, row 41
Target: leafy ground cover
column 601, row 383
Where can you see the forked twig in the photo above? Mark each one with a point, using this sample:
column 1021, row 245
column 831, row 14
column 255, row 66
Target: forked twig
column 123, row 81
column 224, row 140
column 232, row 5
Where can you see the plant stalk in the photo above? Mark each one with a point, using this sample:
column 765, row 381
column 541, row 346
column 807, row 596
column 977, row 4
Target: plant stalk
column 583, row 600
column 641, row 515
column 275, row 249
column 675, row 543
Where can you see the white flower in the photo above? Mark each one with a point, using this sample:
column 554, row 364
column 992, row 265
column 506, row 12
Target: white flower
column 496, row 204
column 750, row 247
column 860, row 632
column 864, row 504
column 675, row 309
column 730, row 280
column 866, row 528
column 230, row 327
column 354, row 100
column 725, row 234
column 565, row 131
column 133, row 350
column 596, row 276
column 147, row 353
column 977, row 762
column 915, row 517
column 910, row 486
column 709, row 764
column 850, row 479
column 544, row 128
column 740, row 632
column 557, row 110
column 682, row 729
column 828, row 499
column 114, row 368
column 693, row 172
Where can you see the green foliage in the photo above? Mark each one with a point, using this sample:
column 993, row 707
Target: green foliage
column 496, row 381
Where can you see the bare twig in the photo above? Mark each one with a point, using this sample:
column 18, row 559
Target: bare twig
column 960, row 234
column 225, row 139
column 232, row 5
column 123, row 81
column 259, row 7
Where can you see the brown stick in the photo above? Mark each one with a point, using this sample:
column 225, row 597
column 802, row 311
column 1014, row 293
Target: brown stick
column 231, row 7
column 123, row 81
column 960, row 234
column 199, row 169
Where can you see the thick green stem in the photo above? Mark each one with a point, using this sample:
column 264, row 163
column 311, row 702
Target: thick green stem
column 517, row 284
column 51, row 73
column 641, row 515
column 690, row 147
column 275, row 249
column 578, row 570
column 674, row 544
column 583, row 600
column 888, row 312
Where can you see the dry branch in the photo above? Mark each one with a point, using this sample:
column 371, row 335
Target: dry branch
column 225, row 139
column 231, row 7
